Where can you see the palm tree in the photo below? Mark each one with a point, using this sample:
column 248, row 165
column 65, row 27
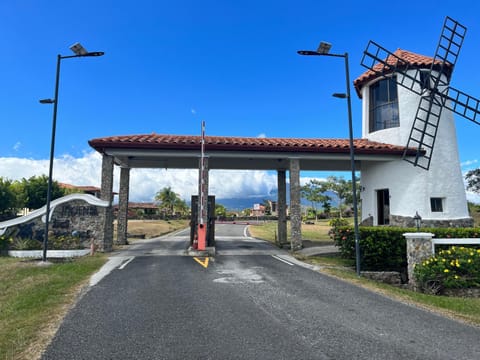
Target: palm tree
column 167, row 199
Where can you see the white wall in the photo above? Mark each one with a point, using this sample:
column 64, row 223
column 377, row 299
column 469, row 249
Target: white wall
column 412, row 187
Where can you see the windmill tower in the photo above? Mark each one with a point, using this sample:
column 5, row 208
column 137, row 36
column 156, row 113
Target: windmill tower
column 407, row 101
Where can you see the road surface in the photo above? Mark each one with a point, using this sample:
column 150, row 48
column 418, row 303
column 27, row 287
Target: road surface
column 252, row 301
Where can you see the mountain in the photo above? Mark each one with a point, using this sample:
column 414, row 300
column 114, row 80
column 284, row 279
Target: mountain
column 238, row 204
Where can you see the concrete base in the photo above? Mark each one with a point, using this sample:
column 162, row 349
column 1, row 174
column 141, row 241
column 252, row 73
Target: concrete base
column 50, row 253
column 209, row 251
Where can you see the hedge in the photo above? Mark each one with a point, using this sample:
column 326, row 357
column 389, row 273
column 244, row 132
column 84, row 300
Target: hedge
column 384, row 248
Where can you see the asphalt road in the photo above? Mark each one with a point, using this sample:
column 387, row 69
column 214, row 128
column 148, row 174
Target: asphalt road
column 251, row 301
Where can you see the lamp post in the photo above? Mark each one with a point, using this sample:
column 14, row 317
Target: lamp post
column 79, row 51
column 323, row 50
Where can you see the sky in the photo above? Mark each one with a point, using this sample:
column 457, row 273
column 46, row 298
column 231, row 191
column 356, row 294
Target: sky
column 168, row 65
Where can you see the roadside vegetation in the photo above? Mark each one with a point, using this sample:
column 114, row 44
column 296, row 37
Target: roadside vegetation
column 34, row 299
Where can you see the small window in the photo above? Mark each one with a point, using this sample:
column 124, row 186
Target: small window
column 436, row 204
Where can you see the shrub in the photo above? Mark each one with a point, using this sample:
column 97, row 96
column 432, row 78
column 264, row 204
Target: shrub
column 64, row 243
column 381, row 248
column 384, row 248
column 457, row 267
column 25, row 244
column 337, row 222
column 4, row 244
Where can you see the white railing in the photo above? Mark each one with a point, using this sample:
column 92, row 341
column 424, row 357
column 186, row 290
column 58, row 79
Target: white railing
column 454, row 241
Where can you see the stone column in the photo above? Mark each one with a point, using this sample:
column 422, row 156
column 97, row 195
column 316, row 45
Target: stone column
column 122, row 217
column 295, row 209
column 419, row 247
column 282, row 207
column 106, row 193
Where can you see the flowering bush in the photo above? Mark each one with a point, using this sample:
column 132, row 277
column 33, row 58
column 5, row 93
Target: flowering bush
column 456, row 267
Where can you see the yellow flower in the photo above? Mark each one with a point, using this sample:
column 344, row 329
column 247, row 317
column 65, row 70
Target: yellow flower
column 469, row 261
column 457, row 277
column 446, row 271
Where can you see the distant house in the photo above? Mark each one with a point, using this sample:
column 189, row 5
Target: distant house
column 92, row 190
column 260, row 209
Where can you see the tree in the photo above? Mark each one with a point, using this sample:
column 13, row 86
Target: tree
column 343, row 189
column 268, row 207
column 35, row 191
column 169, row 200
column 8, row 199
column 220, row 211
column 181, row 207
column 314, row 191
column 473, row 180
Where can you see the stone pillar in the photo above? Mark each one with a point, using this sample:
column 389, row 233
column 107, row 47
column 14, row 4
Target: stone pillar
column 122, row 217
column 106, row 193
column 419, row 247
column 295, row 209
column 282, row 207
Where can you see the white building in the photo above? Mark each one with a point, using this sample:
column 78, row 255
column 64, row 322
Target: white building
column 393, row 192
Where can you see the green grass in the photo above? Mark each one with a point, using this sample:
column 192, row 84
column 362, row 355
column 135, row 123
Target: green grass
column 317, row 232
column 34, row 298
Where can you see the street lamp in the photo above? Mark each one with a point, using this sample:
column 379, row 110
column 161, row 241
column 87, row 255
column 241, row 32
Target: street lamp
column 79, row 51
column 323, row 50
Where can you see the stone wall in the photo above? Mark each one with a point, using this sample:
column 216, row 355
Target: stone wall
column 79, row 215
column 407, row 221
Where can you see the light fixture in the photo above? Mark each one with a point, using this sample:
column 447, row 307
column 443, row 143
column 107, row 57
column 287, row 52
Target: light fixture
column 324, row 47
column 418, row 220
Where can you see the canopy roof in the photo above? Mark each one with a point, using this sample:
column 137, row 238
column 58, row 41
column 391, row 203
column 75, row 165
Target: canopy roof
column 183, row 151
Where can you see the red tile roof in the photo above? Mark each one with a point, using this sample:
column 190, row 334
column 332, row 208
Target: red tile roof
column 413, row 60
column 239, row 144
column 87, row 188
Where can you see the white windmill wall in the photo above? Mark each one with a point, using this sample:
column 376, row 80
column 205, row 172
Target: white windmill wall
column 410, row 187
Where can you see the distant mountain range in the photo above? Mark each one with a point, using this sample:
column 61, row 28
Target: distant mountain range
column 238, row 204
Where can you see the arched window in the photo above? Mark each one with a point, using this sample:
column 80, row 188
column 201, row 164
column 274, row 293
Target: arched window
column 383, row 105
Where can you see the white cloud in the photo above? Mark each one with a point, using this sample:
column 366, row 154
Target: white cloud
column 17, row 146
column 144, row 183
column 261, row 136
column 469, row 163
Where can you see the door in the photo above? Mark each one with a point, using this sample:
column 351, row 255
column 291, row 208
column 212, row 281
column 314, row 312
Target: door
column 383, row 207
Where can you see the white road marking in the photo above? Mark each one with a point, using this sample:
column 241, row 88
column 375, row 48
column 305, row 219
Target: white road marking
column 126, row 263
column 282, row 260
column 245, row 233
column 106, row 269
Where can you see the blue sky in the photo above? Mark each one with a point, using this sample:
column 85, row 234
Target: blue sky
column 170, row 64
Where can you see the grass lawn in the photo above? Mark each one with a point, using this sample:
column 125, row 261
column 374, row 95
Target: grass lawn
column 317, row 232
column 34, row 299
column 153, row 228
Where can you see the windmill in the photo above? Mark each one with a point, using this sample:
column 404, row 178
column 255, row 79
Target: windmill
column 432, row 85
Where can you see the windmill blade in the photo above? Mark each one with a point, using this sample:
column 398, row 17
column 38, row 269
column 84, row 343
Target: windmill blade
column 462, row 104
column 424, row 130
column 427, row 119
column 383, row 62
column 446, row 55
